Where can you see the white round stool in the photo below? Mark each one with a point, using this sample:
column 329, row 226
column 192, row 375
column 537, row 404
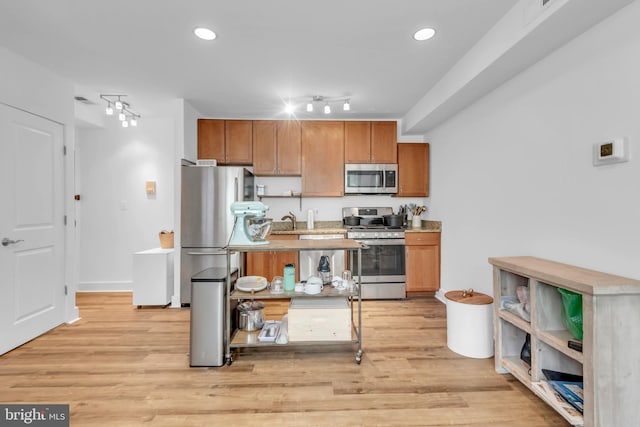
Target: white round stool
column 470, row 323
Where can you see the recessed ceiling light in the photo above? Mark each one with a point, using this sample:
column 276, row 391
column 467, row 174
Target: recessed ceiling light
column 204, row 33
column 424, row 34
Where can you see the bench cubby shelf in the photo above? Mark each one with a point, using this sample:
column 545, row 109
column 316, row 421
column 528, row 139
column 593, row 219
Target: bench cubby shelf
column 610, row 360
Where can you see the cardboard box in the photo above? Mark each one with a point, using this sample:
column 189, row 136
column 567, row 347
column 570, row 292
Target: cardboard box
column 321, row 319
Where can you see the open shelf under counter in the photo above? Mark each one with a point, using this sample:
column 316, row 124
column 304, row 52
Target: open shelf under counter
column 608, row 363
column 515, row 320
column 516, row 367
column 559, row 341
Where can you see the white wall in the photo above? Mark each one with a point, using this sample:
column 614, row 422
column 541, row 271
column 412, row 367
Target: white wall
column 512, row 174
column 30, row 87
column 116, row 217
column 326, row 208
column 186, row 147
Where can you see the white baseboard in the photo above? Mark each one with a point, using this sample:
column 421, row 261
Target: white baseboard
column 115, row 286
column 440, row 296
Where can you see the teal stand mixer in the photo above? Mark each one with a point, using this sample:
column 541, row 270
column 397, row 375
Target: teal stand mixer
column 250, row 226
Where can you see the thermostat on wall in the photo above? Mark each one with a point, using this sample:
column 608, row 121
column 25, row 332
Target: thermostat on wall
column 612, row 151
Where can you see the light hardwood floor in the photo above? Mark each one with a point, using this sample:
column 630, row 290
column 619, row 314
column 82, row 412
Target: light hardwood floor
column 121, row 366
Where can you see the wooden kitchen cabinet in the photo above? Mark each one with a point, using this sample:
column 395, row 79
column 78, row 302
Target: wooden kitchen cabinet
column 227, row 141
column 270, row 264
column 211, row 139
column 384, row 139
column 238, row 142
column 357, row 142
column 370, row 142
column 413, row 170
column 322, row 158
column 422, row 260
column 276, row 148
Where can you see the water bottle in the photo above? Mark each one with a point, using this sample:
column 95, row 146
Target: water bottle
column 289, row 277
column 324, row 269
column 310, row 223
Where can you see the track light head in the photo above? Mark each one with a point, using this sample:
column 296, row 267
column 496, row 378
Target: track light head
column 125, row 114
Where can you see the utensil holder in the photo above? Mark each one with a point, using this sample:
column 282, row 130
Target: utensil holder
column 416, row 221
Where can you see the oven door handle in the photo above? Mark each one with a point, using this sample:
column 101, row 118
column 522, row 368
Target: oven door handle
column 382, row 242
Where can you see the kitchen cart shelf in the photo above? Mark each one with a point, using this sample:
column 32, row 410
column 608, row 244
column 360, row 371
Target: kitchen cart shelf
column 241, row 339
column 237, row 339
column 327, row 292
column 611, row 349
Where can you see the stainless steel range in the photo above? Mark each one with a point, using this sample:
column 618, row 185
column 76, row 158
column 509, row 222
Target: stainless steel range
column 383, row 263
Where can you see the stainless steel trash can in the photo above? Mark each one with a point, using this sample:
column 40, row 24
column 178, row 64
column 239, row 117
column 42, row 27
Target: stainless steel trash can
column 208, row 316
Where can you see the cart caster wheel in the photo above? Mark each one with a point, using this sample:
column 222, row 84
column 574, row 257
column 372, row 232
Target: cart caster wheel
column 359, row 357
column 229, row 361
column 358, row 360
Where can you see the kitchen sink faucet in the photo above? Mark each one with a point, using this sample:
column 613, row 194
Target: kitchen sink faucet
column 291, row 217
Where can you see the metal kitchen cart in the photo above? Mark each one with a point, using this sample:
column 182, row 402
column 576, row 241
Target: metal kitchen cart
column 243, row 339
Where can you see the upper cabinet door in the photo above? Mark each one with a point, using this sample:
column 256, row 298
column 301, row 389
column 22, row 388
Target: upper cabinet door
column 239, row 142
column 413, row 170
column 357, row 142
column 384, row 137
column 265, row 157
column 322, row 158
column 211, row 139
column 289, row 138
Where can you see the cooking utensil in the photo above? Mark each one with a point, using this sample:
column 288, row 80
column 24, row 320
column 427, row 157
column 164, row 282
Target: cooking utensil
column 250, row 320
column 393, row 220
column 352, row 220
column 251, row 315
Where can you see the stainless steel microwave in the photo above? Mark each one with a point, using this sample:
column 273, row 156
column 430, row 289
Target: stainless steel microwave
column 367, row 178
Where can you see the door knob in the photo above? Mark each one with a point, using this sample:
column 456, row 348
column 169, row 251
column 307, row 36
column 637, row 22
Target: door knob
column 7, row 241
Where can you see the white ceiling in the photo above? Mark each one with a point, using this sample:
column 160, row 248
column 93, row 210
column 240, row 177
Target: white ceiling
column 266, row 51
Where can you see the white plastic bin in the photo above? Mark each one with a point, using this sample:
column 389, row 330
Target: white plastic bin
column 470, row 323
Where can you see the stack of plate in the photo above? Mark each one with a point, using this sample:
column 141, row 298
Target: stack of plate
column 251, row 283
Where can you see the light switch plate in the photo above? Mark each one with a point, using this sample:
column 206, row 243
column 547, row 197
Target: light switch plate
column 150, row 187
column 615, row 150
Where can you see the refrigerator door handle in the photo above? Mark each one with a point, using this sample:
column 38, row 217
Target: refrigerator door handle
column 208, row 253
column 235, row 190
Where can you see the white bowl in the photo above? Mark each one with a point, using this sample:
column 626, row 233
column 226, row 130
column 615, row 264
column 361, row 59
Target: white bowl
column 313, row 285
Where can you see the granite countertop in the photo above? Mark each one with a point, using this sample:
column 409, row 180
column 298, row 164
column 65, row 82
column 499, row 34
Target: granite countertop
column 427, row 227
column 336, row 227
column 321, row 227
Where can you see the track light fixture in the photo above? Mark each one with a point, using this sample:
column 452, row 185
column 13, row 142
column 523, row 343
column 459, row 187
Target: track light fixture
column 125, row 114
column 317, row 99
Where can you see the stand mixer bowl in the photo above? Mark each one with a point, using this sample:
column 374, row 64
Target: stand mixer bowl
column 257, row 228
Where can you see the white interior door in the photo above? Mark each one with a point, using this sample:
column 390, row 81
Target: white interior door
column 31, row 227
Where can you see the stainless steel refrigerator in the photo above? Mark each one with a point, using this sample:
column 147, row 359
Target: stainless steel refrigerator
column 206, row 221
